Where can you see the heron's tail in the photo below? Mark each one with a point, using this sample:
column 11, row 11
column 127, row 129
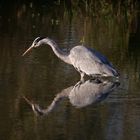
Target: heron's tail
column 115, row 72
column 110, row 71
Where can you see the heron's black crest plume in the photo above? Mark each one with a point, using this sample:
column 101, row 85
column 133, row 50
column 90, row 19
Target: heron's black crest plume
column 39, row 38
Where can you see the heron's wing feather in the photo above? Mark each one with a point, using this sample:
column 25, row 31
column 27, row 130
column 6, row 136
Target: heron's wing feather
column 106, row 65
column 99, row 57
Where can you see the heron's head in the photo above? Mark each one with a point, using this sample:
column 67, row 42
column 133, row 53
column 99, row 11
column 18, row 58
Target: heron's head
column 36, row 43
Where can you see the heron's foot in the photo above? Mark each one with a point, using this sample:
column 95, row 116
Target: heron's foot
column 98, row 79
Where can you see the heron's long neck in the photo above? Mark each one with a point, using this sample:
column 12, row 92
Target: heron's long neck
column 58, row 52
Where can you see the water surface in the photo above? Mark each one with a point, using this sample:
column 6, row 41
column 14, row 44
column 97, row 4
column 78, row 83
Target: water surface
column 40, row 76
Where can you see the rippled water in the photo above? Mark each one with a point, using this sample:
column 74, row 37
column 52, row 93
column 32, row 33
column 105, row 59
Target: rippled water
column 39, row 94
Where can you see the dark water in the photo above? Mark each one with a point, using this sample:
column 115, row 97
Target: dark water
column 88, row 111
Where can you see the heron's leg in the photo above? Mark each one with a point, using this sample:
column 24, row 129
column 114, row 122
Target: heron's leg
column 78, row 84
column 82, row 76
column 82, row 80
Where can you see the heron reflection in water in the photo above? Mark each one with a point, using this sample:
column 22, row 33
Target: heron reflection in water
column 85, row 60
column 79, row 95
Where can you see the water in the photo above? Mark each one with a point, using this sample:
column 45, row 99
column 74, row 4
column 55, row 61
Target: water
column 40, row 77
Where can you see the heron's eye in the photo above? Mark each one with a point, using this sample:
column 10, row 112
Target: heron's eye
column 35, row 43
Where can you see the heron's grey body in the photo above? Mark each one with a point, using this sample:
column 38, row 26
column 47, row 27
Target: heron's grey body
column 91, row 62
column 86, row 61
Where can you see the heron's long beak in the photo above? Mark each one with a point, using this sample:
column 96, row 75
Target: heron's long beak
column 28, row 50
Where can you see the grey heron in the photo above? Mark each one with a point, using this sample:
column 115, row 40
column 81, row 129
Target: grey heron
column 85, row 60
